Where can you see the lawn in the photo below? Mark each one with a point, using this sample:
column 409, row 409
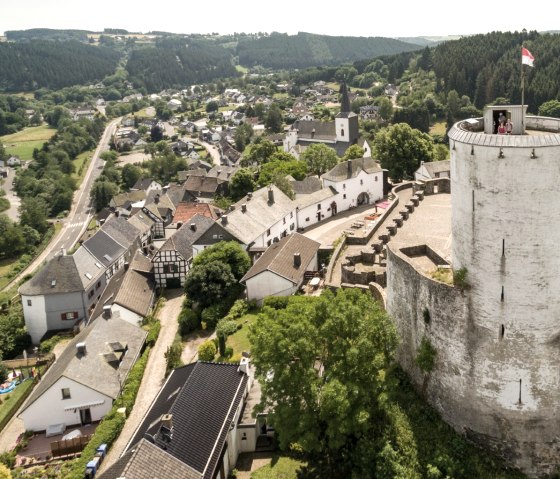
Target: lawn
column 5, row 267
column 81, row 163
column 241, row 69
column 438, row 128
column 25, row 141
column 239, row 341
column 281, row 467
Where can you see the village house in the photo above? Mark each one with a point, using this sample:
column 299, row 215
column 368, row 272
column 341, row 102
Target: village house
column 281, row 269
column 430, row 170
column 198, row 424
column 86, row 378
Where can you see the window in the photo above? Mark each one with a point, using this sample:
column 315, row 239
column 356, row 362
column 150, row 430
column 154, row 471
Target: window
column 69, row 316
column 319, row 206
column 376, row 178
column 91, row 293
column 343, row 186
column 268, row 233
column 292, row 214
column 98, row 285
column 28, row 302
column 362, row 182
column 343, row 197
column 292, row 227
column 284, row 220
column 171, row 268
column 342, row 132
column 66, row 393
column 269, row 242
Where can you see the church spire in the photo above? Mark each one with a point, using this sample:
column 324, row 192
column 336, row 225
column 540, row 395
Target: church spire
column 345, row 102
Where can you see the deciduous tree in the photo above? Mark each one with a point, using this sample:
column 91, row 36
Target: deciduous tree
column 319, row 158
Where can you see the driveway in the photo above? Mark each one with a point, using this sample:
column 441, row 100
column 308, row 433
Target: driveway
column 7, row 186
column 154, row 375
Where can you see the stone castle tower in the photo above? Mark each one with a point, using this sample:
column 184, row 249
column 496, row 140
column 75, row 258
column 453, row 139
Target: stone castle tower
column 497, row 373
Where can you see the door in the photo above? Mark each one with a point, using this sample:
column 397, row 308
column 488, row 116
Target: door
column 85, row 416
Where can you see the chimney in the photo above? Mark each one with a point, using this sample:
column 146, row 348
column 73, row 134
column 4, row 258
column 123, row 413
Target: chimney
column 116, row 213
column 244, row 366
column 62, row 252
column 244, row 208
column 107, row 313
column 193, row 226
column 313, row 133
column 167, row 421
column 81, row 349
column 224, row 219
column 270, row 196
column 126, row 265
column 297, row 260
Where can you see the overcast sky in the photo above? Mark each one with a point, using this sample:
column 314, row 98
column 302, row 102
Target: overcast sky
column 400, row 18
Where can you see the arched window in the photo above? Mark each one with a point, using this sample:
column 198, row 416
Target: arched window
column 342, row 132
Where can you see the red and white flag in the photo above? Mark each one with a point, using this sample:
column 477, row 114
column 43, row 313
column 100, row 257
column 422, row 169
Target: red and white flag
column 526, row 57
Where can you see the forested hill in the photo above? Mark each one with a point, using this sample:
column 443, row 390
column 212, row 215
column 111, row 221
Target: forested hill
column 303, row 50
column 176, row 63
column 486, row 67
column 36, row 64
column 46, row 34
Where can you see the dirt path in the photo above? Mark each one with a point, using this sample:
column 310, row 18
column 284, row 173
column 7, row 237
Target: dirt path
column 192, row 342
column 154, row 375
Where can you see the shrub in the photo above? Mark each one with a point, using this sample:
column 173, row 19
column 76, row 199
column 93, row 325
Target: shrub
column 212, row 315
column 276, row 302
column 239, row 308
column 3, row 372
column 189, row 321
column 207, row 351
column 153, row 333
column 426, row 355
column 173, row 355
column 228, row 353
column 48, row 344
column 460, row 278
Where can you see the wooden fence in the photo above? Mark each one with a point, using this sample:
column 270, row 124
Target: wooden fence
column 69, row 446
column 45, row 359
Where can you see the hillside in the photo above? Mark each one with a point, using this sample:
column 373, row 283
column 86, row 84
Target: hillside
column 46, row 34
column 36, row 64
column 173, row 64
column 486, row 67
column 280, row 50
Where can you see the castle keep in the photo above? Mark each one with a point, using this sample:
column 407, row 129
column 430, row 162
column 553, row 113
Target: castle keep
column 496, row 377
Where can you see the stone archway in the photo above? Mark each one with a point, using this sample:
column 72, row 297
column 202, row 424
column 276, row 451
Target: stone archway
column 363, row 199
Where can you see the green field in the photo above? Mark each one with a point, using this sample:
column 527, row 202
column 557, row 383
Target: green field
column 281, row 467
column 239, row 341
column 81, row 163
column 241, row 69
column 25, row 141
column 438, row 128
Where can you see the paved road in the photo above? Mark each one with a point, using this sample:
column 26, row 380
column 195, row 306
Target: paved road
column 212, row 150
column 154, row 375
column 7, row 186
column 82, row 211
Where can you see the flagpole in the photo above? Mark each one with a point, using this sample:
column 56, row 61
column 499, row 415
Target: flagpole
column 522, row 93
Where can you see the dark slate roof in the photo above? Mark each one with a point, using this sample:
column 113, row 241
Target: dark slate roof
column 351, row 169
column 178, row 194
column 105, row 249
column 161, row 200
column 60, row 271
column 310, row 184
column 88, row 266
column 214, row 234
column 182, row 241
column 279, row 258
column 121, row 231
column 315, row 130
column 141, row 263
column 203, row 402
column 142, row 184
column 126, row 199
column 91, row 369
column 434, row 167
column 148, row 461
column 222, row 172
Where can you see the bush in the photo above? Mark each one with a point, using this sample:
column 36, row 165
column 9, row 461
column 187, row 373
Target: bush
column 189, row 321
column 207, row 351
column 48, row 344
column 153, row 333
column 239, row 308
column 212, row 315
column 228, row 353
column 3, row 372
column 173, row 355
column 426, row 355
column 460, row 278
column 276, row 302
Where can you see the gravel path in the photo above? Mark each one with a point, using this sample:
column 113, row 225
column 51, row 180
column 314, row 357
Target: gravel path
column 154, row 375
column 191, row 343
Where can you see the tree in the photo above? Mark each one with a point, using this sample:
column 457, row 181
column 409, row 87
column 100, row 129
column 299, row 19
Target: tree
column 207, row 351
column 56, row 117
column 242, row 136
column 102, row 192
column 353, row 152
column 550, row 108
column 241, row 183
column 227, row 252
column 281, row 181
column 34, row 212
column 3, row 155
column 401, row 148
column 12, row 240
column 156, row 134
column 131, row 174
column 260, row 152
column 274, row 120
column 321, row 364
column 295, row 168
column 212, row 106
column 385, row 108
column 319, row 158
column 210, row 283
column 5, row 472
